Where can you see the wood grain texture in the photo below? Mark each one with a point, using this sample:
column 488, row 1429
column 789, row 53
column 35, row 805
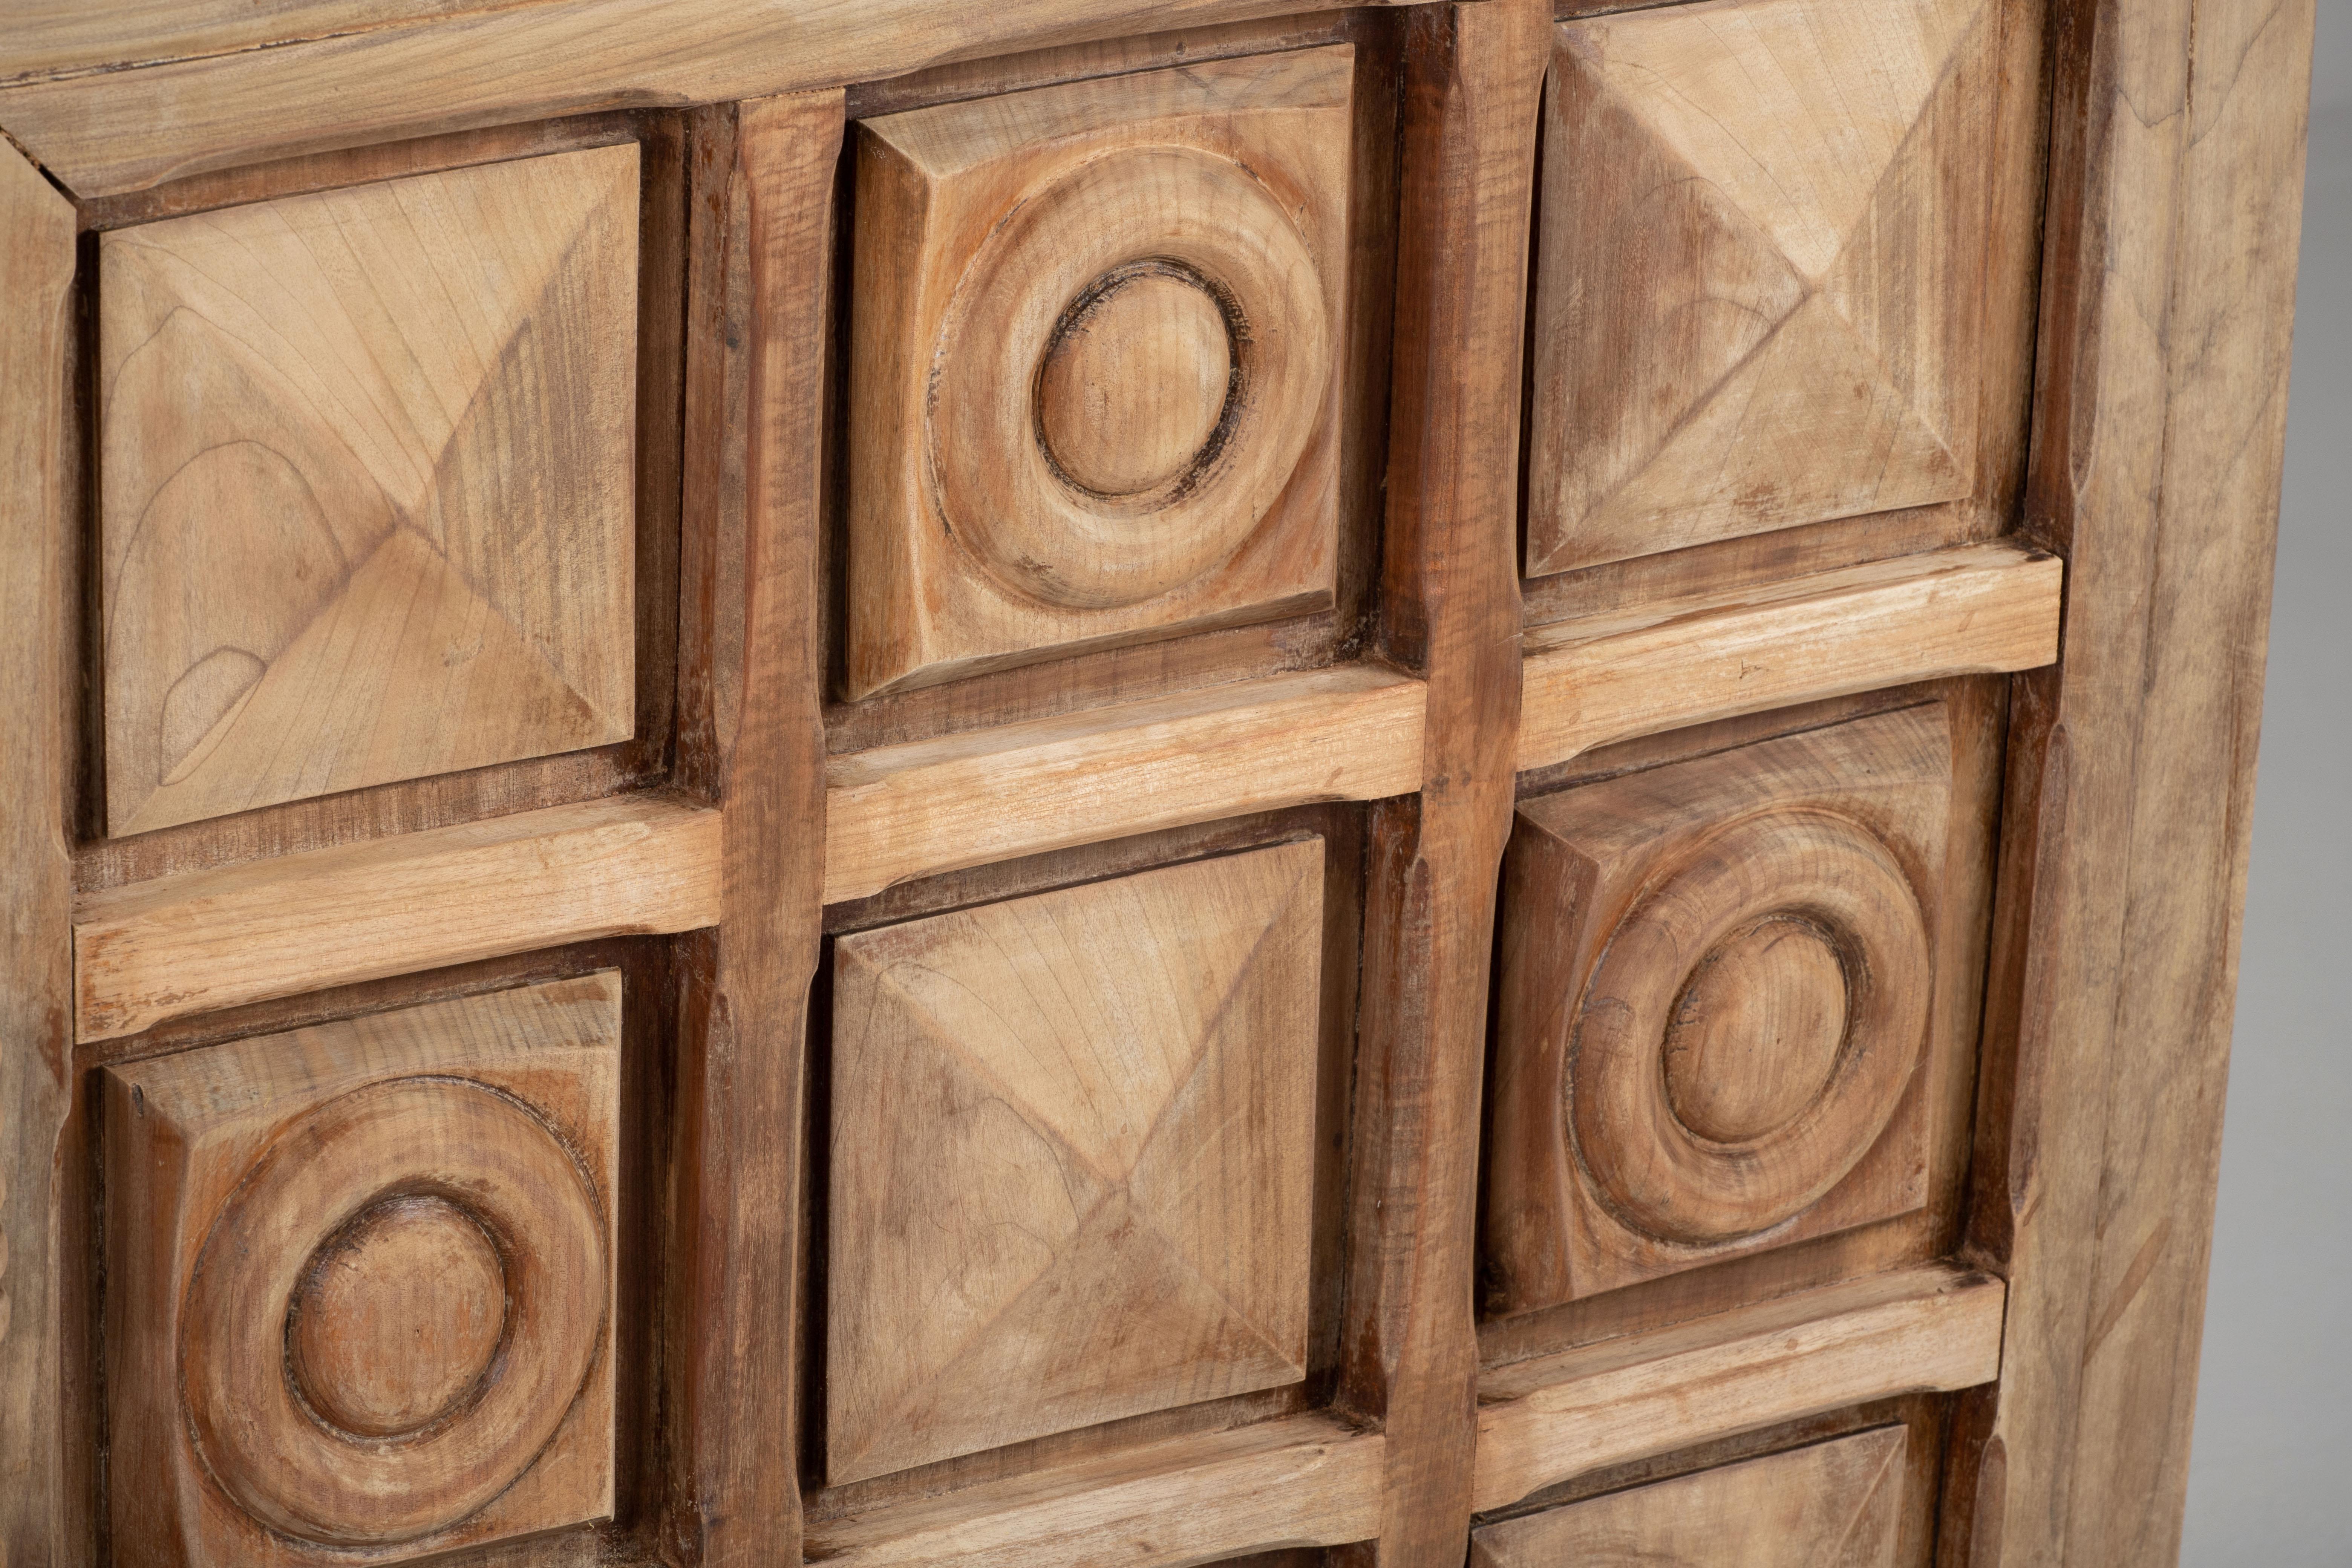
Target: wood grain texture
column 1072, row 1158
column 1831, row 1505
column 368, row 461
column 2176, row 180
column 1717, row 1011
column 1760, row 271
column 753, row 737
column 899, row 812
column 37, row 687
column 1546, row 1419
column 1987, row 608
column 281, row 1393
column 1472, row 80
column 302, row 922
column 1304, row 1481
column 1013, row 491
column 122, row 129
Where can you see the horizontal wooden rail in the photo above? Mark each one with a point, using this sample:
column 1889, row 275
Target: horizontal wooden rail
column 1554, row 1418
column 899, row 812
column 1304, row 1481
column 1980, row 609
column 207, row 940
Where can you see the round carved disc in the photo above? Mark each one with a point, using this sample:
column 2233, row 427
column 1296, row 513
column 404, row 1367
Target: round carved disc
column 259, row 1404
column 1757, row 1032
column 1032, row 518
column 1629, row 1100
column 1135, row 381
column 397, row 1318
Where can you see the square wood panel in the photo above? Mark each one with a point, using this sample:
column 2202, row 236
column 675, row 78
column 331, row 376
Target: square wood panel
column 361, row 1282
column 1096, row 334
column 1716, row 1007
column 1832, row 1505
column 366, row 466
column 1073, row 1158
column 1759, row 271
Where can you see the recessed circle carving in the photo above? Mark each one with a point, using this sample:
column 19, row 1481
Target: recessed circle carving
column 1061, row 508
column 398, row 1317
column 1135, row 381
column 1750, row 1028
column 282, row 1327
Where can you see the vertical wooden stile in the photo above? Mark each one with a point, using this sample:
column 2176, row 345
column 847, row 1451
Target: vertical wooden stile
column 1451, row 612
column 2168, row 304
column 36, row 687
column 753, row 739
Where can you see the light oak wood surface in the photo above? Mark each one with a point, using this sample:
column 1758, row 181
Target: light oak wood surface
column 1549, row 1419
column 284, row 1390
column 1831, row 1505
column 1306, row 1482
column 367, row 465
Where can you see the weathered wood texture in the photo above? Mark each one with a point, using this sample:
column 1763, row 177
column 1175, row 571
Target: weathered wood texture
column 761, row 248
column 236, row 102
column 2176, row 189
column 1472, row 80
column 1072, row 1161
column 1304, row 1481
column 1830, row 1505
column 1552, row 1417
column 283, row 1390
column 368, row 460
column 1095, row 392
column 37, row 686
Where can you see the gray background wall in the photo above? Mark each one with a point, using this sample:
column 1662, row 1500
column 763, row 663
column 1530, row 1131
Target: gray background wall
column 2270, row 1476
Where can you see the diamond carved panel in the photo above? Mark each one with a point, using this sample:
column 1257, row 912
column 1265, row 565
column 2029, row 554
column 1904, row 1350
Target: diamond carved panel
column 1072, row 1143
column 367, row 462
column 1760, row 270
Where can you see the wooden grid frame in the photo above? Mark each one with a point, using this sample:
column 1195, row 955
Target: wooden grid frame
column 2150, row 493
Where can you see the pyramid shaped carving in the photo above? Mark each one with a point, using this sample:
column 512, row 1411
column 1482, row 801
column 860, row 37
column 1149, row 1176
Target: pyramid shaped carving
column 1759, row 277
column 366, row 464
column 1072, row 1169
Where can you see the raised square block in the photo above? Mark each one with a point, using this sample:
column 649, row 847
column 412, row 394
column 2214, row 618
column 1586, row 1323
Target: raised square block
column 1073, row 1145
column 366, row 468
column 1717, row 988
column 1094, row 380
column 360, row 1284
column 1759, row 275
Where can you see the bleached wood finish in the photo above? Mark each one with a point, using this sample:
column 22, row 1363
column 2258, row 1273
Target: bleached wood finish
column 1553, row 1417
column 1715, row 1011
column 1094, row 374
column 1759, row 271
column 1831, row 1505
column 1304, row 1481
column 1976, row 609
column 39, row 540
column 1072, row 1158
column 899, row 812
column 331, row 917
column 367, row 462
column 283, row 1390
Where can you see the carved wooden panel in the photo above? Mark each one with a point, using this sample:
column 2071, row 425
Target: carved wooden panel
column 366, row 464
column 1715, row 1004
column 1072, row 1157
column 1833, row 1505
column 1759, row 271
column 361, row 1283
column 1096, row 348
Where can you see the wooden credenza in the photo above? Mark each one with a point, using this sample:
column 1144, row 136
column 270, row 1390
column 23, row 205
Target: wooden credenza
column 1097, row 783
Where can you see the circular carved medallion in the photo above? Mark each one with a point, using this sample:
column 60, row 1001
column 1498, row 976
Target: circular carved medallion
column 392, row 1311
column 1750, row 1028
column 1130, row 371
